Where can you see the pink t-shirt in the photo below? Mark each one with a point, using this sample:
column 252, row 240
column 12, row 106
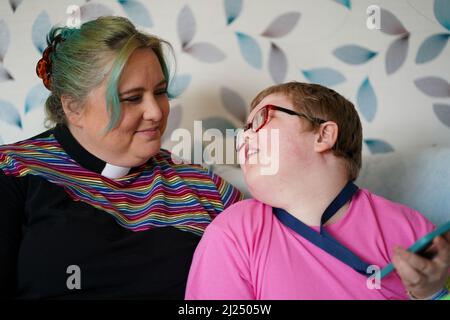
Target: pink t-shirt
column 247, row 253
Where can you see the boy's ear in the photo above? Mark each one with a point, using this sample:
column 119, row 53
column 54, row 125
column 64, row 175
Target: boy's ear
column 326, row 136
column 73, row 111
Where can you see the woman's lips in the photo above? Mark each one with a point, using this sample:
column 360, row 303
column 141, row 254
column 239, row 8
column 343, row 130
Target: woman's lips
column 149, row 133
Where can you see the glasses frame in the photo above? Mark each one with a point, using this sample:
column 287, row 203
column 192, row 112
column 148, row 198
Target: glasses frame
column 267, row 108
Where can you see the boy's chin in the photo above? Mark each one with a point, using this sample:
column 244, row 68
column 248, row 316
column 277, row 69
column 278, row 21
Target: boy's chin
column 263, row 195
column 259, row 185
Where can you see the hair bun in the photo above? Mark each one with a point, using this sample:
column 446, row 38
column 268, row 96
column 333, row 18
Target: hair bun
column 44, row 65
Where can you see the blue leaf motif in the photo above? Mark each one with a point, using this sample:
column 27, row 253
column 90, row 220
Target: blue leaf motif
column 4, row 74
column 367, row 100
column 396, row 54
column 178, row 85
column 4, row 39
column 442, row 111
column 36, row 97
column 234, row 103
column 232, row 10
column 282, row 25
column 346, row 3
column 442, row 12
column 278, row 64
column 378, row 146
column 14, row 4
column 41, row 27
column 205, row 52
column 186, row 26
column 353, row 54
column 324, row 76
column 137, row 12
column 250, row 50
column 9, row 114
column 431, row 47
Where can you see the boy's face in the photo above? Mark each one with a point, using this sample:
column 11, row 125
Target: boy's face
column 278, row 154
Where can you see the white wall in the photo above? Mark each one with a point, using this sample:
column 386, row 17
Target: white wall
column 403, row 116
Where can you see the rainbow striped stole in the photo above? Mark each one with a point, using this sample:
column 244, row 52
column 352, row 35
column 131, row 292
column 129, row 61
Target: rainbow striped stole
column 160, row 193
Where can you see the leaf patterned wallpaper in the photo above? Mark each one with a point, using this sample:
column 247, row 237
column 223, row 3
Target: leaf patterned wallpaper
column 228, row 50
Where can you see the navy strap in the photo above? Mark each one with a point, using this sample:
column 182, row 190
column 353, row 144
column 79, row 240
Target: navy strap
column 342, row 198
column 323, row 239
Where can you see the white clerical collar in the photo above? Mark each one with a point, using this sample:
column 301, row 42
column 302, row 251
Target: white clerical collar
column 113, row 172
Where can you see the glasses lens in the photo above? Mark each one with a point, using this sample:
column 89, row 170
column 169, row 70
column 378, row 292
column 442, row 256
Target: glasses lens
column 239, row 139
column 259, row 119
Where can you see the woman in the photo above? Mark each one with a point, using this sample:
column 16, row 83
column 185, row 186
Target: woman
column 312, row 234
column 93, row 208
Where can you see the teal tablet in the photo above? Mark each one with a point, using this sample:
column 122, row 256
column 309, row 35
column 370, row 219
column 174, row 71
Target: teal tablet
column 420, row 245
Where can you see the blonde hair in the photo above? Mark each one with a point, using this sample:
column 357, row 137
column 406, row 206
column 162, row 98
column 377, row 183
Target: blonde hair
column 79, row 62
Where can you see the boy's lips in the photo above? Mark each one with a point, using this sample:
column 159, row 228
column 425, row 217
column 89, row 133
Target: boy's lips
column 251, row 151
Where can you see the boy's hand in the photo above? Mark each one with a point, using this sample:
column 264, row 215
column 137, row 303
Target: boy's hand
column 424, row 277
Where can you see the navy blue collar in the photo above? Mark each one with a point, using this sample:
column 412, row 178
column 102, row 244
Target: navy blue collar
column 323, row 239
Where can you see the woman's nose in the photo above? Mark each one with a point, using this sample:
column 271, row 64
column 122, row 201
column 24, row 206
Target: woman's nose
column 152, row 111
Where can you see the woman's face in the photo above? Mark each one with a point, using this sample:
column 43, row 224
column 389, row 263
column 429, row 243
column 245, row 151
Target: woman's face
column 283, row 143
column 144, row 111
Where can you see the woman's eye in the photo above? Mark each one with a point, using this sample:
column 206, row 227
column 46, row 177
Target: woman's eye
column 132, row 99
column 161, row 92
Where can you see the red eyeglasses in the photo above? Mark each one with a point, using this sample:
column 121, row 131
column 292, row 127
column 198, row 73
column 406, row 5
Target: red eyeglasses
column 261, row 118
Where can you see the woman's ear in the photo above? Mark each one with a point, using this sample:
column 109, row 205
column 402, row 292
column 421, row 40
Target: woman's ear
column 74, row 113
column 326, row 136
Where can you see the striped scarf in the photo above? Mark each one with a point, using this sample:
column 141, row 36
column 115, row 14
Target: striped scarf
column 160, row 193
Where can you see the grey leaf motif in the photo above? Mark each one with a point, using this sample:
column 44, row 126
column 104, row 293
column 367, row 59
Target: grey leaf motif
column 4, row 74
column 186, row 26
column 396, row 54
column 282, row 25
column 4, row 39
column 174, row 121
column 14, row 4
column 390, row 24
column 205, row 52
column 278, row 64
column 234, row 103
column 433, row 87
column 219, row 123
column 442, row 111
column 91, row 11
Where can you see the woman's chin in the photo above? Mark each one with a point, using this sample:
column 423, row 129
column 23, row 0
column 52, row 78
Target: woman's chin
column 148, row 150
